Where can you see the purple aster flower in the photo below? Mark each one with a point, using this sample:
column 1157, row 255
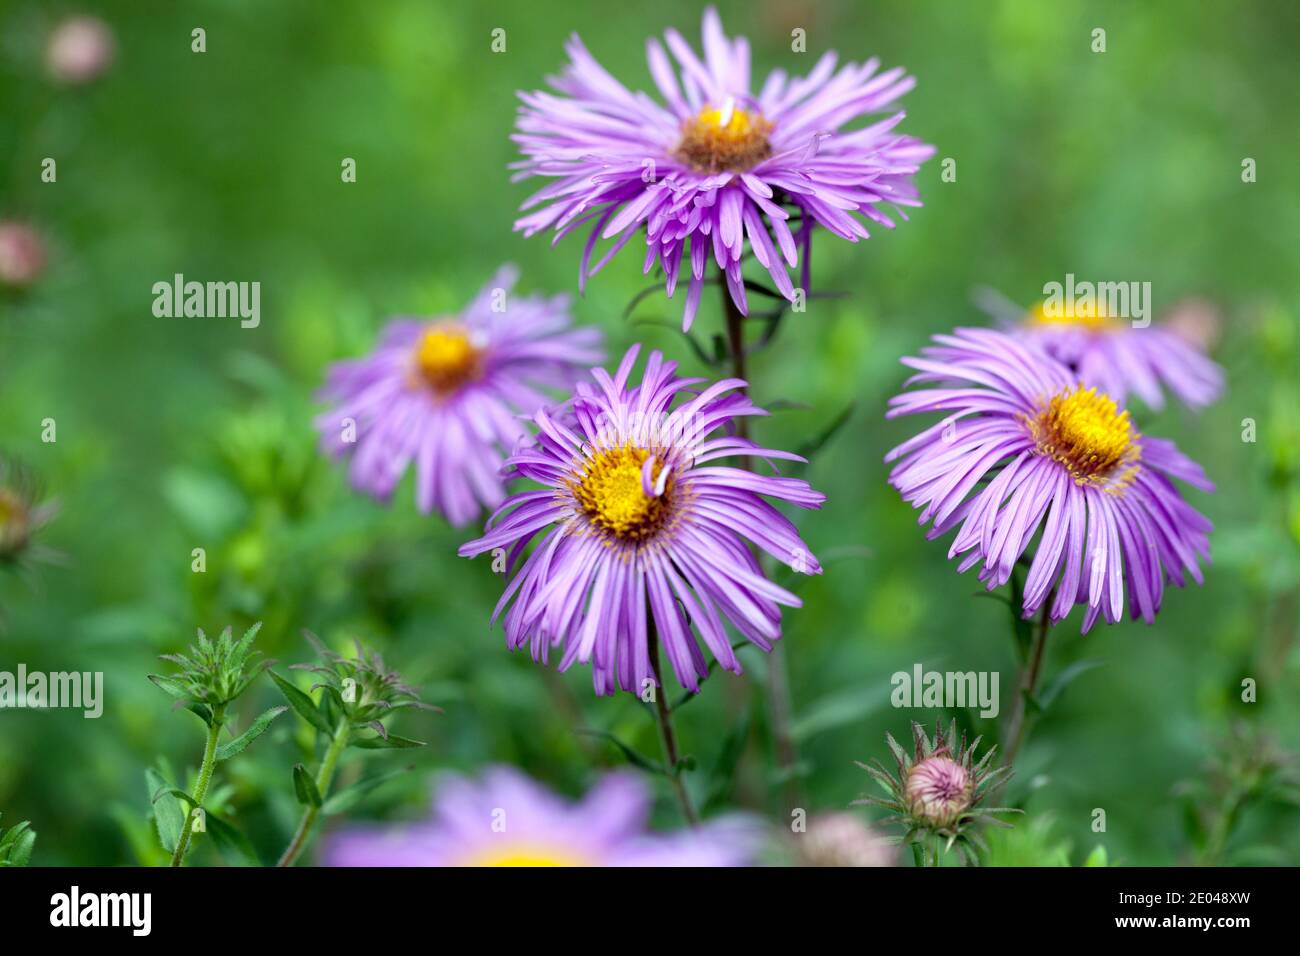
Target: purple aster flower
column 1025, row 447
column 643, row 539
column 447, row 393
column 717, row 167
column 1121, row 359
column 509, row 820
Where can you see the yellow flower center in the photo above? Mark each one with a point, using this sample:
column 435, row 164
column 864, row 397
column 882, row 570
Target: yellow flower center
column 724, row 139
column 1092, row 316
column 1087, row 433
column 446, row 358
column 520, row 854
column 610, row 493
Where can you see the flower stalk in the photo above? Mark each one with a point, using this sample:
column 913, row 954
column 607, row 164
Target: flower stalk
column 1026, row 685
column 201, row 786
column 357, row 694
column 667, row 737
column 324, row 776
column 778, row 684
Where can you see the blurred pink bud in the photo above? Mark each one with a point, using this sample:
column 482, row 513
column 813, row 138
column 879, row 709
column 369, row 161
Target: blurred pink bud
column 22, row 254
column 1197, row 321
column 841, row 839
column 80, row 50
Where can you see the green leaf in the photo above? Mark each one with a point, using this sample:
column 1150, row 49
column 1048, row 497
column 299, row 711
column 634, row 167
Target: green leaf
column 810, row 448
column 839, row 709
column 304, row 787
column 168, row 814
column 1065, row 679
column 202, row 711
column 170, row 686
column 723, row 773
column 175, row 792
column 700, row 351
column 348, row 798
column 634, row 757
column 16, row 844
column 302, row 704
column 391, row 742
column 255, row 730
column 228, row 839
column 1097, row 857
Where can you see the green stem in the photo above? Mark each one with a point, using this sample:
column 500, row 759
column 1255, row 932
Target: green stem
column 666, row 735
column 1026, row 684
column 201, row 787
column 778, row 682
column 338, row 743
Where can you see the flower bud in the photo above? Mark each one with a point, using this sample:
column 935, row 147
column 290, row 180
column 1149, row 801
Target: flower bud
column 80, row 49
column 841, row 839
column 939, row 791
column 22, row 254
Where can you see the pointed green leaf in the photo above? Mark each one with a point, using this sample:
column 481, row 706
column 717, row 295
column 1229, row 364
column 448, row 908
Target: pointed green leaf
column 634, row 757
column 1097, row 857
column 391, row 742
column 255, row 730
column 304, row 787
column 1065, row 679
column 175, row 792
column 170, row 685
column 168, row 814
column 228, row 839
column 302, row 704
column 810, row 448
column 350, row 797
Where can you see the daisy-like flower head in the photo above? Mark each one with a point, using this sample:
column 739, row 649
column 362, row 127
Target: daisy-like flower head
column 509, row 820
column 641, row 534
column 1026, row 448
column 717, row 167
column 447, row 393
column 1120, row 358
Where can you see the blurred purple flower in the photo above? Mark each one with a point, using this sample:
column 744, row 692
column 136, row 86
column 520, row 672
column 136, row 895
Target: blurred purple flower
column 1041, row 446
column 1121, row 359
column 447, row 394
column 639, row 537
column 509, row 820
column 718, row 163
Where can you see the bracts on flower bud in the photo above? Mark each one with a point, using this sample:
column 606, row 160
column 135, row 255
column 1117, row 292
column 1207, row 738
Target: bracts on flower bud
column 357, row 694
column 211, row 675
column 936, row 792
column 361, row 689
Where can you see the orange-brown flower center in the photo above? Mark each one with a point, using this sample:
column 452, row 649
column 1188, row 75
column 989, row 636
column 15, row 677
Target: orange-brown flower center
column 15, row 521
column 446, row 358
column 727, row 139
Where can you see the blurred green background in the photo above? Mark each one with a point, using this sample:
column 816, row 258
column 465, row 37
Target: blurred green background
column 182, row 433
